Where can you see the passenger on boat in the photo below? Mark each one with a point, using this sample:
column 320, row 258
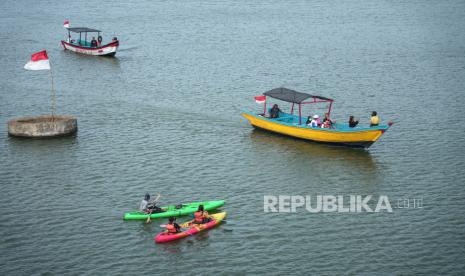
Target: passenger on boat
column 201, row 216
column 327, row 120
column 148, row 206
column 99, row 41
column 374, row 121
column 93, row 42
column 274, row 111
column 352, row 122
column 172, row 227
column 315, row 122
column 309, row 120
column 326, row 124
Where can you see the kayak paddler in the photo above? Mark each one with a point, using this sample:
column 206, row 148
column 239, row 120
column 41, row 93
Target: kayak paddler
column 201, row 216
column 148, row 206
column 172, row 227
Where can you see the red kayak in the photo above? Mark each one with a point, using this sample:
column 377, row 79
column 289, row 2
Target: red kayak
column 192, row 229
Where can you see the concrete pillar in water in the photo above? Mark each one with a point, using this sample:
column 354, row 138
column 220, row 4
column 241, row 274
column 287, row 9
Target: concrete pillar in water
column 42, row 126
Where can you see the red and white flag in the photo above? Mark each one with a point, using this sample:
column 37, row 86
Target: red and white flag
column 39, row 61
column 260, row 99
column 66, row 24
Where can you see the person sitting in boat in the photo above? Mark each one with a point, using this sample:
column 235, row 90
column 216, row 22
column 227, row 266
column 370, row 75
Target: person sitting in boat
column 201, row 216
column 172, row 227
column 93, row 42
column 352, row 121
column 327, row 120
column 309, row 120
column 274, row 111
column 315, row 122
column 148, row 206
column 374, row 121
column 326, row 124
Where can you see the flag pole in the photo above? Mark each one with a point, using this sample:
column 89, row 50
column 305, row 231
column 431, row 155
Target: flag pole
column 53, row 92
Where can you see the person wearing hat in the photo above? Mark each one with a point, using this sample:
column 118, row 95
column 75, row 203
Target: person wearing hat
column 315, row 122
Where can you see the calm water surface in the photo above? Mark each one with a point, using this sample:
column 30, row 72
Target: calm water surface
column 163, row 116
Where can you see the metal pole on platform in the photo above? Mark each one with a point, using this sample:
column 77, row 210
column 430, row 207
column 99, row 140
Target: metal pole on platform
column 264, row 108
column 53, row 92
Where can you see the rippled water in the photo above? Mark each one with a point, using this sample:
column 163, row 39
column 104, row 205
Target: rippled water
column 163, row 116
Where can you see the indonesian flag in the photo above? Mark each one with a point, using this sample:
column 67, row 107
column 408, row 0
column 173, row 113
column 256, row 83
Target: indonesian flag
column 260, row 99
column 39, row 61
column 66, row 24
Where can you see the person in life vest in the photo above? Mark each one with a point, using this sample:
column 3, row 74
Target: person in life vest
column 172, row 227
column 201, row 216
column 374, row 121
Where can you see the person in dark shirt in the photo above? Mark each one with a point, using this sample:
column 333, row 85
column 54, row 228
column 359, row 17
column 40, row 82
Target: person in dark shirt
column 352, row 122
column 309, row 120
column 93, row 42
column 274, row 112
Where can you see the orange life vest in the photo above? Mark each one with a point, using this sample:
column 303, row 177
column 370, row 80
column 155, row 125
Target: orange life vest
column 171, row 228
column 198, row 216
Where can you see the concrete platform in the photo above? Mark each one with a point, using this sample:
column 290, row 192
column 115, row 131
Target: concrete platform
column 42, row 126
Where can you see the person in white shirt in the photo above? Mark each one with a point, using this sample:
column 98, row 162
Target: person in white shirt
column 148, row 206
column 315, row 122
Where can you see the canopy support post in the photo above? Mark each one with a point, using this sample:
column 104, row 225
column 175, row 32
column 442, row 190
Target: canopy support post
column 53, row 93
column 292, row 109
column 300, row 113
column 329, row 109
column 264, row 107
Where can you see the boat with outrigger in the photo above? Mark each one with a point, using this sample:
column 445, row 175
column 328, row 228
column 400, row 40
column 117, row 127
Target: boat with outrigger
column 291, row 125
column 93, row 47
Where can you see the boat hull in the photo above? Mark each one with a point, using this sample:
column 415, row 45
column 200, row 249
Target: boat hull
column 353, row 137
column 193, row 229
column 105, row 50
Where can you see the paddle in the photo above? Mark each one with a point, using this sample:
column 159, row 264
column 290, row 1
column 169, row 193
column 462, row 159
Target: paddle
column 151, row 210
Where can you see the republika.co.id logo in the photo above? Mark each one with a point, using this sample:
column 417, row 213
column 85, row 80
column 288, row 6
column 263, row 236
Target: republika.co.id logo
column 338, row 203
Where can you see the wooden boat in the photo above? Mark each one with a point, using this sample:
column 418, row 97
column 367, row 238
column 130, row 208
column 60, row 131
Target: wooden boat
column 291, row 125
column 83, row 46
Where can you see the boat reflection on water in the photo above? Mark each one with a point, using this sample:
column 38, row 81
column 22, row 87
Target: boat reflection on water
column 297, row 152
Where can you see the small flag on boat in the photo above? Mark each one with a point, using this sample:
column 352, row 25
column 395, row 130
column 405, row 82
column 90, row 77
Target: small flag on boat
column 66, row 24
column 39, row 61
column 260, row 99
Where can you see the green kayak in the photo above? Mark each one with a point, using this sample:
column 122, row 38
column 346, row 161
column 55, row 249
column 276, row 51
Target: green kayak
column 172, row 211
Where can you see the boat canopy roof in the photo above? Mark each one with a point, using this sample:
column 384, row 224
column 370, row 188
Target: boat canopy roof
column 292, row 96
column 83, row 30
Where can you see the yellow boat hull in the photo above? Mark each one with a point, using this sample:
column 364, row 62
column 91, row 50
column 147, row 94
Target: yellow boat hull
column 363, row 137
